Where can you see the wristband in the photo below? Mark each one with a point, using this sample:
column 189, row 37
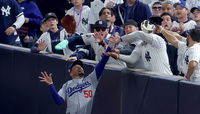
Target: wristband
column 50, row 83
column 14, row 26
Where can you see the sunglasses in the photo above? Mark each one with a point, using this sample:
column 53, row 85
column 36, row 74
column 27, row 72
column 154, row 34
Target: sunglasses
column 102, row 29
column 159, row 8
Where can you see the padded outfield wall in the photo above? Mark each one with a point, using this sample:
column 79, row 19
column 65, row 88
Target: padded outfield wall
column 120, row 90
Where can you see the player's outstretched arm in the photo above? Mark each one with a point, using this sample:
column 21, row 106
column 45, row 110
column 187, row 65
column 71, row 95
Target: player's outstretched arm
column 47, row 78
column 100, row 66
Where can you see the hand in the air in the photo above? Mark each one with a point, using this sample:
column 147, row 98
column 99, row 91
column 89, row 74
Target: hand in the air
column 45, row 77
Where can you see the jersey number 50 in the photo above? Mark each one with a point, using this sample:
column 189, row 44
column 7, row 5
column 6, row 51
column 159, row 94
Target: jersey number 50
column 88, row 93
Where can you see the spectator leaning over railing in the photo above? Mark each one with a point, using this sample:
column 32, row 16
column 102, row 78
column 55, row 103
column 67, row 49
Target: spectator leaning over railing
column 151, row 51
column 188, row 52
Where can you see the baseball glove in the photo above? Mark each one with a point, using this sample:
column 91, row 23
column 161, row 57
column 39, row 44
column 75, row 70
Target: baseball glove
column 69, row 23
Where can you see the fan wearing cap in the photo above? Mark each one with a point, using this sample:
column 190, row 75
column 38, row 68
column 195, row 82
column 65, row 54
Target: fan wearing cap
column 48, row 40
column 183, row 23
column 79, row 92
column 196, row 14
column 129, row 27
column 151, row 52
column 97, row 40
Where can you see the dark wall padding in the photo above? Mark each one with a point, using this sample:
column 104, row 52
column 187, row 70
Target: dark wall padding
column 134, row 85
column 6, row 62
column 189, row 97
column 107, row 98
column 120, row 91
column 160, row 96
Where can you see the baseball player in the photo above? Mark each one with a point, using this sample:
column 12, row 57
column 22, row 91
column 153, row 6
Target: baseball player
column 152, row 50
column 11, row 18
column 78, row 93
column 188, row 52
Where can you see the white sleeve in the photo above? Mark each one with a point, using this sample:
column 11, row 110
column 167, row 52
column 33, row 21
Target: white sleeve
column 88, row 38
column 42, row 37
column 181, row 45
column 152, row 39
column 194, row 55
column 19, row 21
column 133, row 58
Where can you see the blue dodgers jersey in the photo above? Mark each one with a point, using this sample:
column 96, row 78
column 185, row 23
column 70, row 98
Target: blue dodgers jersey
column 9, row 11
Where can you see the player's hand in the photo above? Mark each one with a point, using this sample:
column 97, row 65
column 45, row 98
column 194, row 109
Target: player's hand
column 45, row 77
column 41, row 45
column 112, row 54
column 10, row 30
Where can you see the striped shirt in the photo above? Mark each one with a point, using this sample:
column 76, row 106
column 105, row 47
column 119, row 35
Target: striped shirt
column 187, row 54
column 152, row 51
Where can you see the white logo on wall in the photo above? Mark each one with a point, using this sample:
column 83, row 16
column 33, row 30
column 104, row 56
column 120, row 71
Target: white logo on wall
column 6, row 11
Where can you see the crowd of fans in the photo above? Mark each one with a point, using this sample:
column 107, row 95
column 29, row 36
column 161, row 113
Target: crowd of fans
column 169, row 46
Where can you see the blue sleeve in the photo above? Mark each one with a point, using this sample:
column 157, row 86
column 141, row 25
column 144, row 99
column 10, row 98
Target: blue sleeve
column 58, row 99
column 16, row 8
column 75, row 40
column 100, row 66
column 34, row 48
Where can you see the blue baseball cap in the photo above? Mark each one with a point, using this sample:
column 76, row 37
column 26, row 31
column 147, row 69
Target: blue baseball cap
column 181, row 3
column 77, row 62
column 194, row 8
